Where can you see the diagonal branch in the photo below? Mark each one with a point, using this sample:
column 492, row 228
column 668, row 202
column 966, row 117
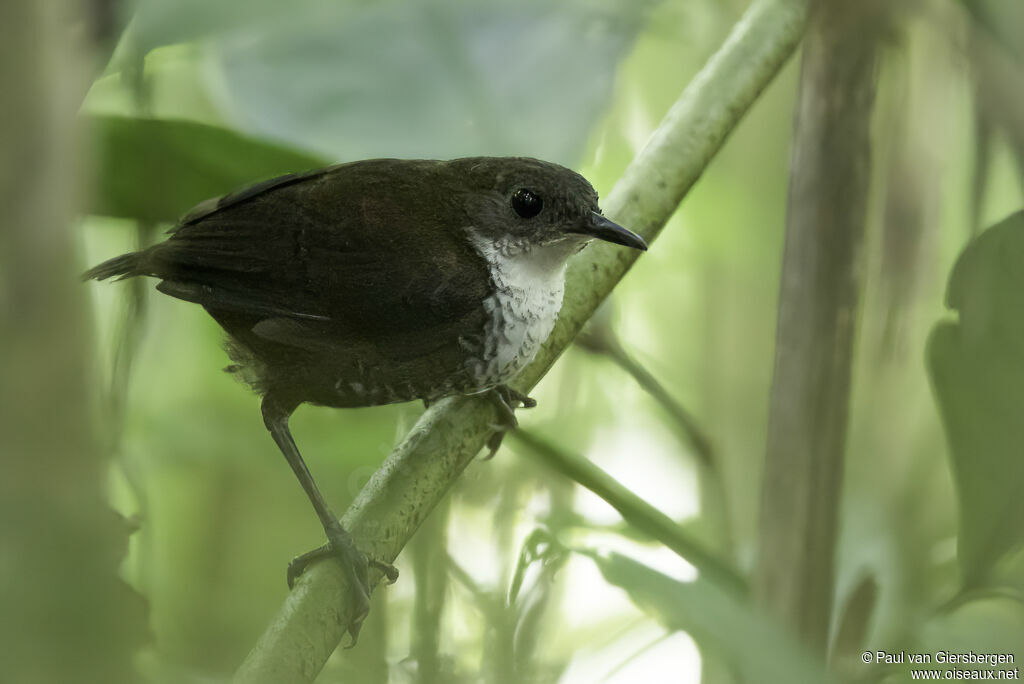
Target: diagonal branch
column 422, row 468
column 634, row 510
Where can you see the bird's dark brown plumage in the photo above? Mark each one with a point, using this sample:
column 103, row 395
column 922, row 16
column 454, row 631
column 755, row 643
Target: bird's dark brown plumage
column 379, row 281
column 336, row 288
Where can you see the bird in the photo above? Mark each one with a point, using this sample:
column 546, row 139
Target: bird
column 380, row 281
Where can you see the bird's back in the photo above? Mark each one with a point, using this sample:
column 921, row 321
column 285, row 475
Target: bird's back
column 330, row 291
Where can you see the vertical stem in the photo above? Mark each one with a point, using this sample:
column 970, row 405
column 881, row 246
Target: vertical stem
column 539, row 611
column 429, row 555
column 817, row 320
column 66, row 614
column 499, row 661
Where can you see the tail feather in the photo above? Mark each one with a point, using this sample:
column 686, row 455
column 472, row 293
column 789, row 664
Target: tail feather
column 125, row 266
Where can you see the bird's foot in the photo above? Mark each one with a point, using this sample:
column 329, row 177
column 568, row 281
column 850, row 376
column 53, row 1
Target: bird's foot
column 356, row 567
column 505, row 400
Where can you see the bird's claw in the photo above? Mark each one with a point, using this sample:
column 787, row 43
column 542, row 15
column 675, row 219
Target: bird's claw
column 389, row 571
column 356, row 566
column 505, row 400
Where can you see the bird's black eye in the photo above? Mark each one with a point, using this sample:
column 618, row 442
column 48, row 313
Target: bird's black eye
column 526, row 203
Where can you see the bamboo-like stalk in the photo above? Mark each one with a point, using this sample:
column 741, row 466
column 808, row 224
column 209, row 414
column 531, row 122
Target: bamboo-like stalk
column 422, row 468
column 635, row 510
column 66, row 615
column 429, row 551
column 817, row 318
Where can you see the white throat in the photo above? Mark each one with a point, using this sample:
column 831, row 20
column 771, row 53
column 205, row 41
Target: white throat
column 523, row 310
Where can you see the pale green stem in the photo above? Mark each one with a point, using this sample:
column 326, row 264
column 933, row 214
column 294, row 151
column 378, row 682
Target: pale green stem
column 634, row 510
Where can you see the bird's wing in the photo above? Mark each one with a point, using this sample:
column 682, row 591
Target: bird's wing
column 207, row 208
column 337, row 257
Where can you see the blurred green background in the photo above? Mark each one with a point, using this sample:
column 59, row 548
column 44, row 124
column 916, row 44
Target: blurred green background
column 199, row 98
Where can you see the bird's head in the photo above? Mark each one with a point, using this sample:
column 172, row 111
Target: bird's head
column 518, row 204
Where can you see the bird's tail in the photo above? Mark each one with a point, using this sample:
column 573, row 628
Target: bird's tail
column 125, row 266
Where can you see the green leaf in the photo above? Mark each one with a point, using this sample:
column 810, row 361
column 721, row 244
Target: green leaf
column 435, row 79
column 164, row 22
column 989, row 625
column 156, row 169
column 977, row 369
column 717, row 620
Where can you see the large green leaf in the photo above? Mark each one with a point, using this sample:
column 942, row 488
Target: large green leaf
column 156, row 169
column 158, row 23
column 977, row 368
column 436, row 78
column 718, row 621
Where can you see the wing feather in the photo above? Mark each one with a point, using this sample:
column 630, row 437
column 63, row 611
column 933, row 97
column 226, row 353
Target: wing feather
column 333, row 258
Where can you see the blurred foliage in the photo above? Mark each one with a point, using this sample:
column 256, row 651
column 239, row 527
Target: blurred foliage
column 453, row 77
column 154, row 170
column 977, row 363
column 201, row 97
column 733, row 631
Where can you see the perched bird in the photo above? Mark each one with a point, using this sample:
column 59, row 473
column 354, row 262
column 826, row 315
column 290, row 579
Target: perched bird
column 380, row 281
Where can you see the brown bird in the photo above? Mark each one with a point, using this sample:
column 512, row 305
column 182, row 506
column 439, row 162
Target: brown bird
column 377, row 282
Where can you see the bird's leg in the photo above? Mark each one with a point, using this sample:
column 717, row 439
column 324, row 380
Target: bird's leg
column 339, row 541
column 505, row 400
column 302, row 561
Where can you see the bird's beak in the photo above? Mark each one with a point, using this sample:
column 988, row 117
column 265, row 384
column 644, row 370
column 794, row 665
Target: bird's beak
column 609, row 231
